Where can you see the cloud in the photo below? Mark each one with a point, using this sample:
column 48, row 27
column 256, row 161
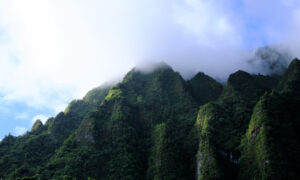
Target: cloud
column 22, row 116
column 41, row 117
column 53, row 51
column 19, row 131
column 209, row 23
column 80, row 44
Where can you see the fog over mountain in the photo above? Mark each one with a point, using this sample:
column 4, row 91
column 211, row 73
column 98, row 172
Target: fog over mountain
column 53, row 51
column 150, row 89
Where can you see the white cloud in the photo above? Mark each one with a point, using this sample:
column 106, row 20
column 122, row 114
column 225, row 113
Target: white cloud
column 22, row 116
column 19, row 131
column 209, row 23
column 58, row 48
column 52, row 51
column 41, row 117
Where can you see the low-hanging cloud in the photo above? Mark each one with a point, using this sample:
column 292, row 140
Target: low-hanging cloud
column 52, row 50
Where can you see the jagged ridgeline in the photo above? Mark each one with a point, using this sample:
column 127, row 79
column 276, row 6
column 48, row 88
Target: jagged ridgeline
column 157, row 126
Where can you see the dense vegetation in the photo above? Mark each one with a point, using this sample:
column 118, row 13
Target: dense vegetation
column 270, row 147
column 157, row 126
column 221, row 124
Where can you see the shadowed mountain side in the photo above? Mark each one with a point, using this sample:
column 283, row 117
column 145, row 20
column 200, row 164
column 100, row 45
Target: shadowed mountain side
column 220, row 125
column 204, row 88
column 270, row 147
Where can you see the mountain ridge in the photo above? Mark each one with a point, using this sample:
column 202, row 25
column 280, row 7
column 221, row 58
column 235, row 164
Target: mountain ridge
column 156, row 125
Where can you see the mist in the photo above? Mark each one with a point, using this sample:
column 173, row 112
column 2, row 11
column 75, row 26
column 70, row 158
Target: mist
column 97, row 40
column 54, row 51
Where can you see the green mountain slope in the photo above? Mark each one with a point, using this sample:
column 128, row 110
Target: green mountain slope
column 97, row 95
column 220, row 125
column 270, row 147
column 27, row 154
column 139, row 132
column 204, row 88
column 154, row 125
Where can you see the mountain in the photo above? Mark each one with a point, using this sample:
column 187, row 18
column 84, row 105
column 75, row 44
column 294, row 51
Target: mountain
column 270, row 147
column 25, row 155
column 137, row 114
column 221, row 124
column 204, row 88
column 155, row 125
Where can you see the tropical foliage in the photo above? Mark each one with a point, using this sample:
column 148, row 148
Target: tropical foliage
column 157, row 126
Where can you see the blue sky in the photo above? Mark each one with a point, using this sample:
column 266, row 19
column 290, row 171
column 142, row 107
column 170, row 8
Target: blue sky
column 18, row 117
column 53, row 51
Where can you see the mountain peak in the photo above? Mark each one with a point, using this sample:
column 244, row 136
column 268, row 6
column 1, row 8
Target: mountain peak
column 249, row 84
column 37, row 125
column 294, row 67
column 200, row 75
column 295, row 62
column 152, row 66
column 238, row 77
column 291, row 78
column 204, row 88
column 141, row 71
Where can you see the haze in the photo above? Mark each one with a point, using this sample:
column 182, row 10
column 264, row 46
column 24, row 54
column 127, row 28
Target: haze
column 53, row 51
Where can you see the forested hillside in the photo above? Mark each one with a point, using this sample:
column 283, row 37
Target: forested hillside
column 158, row 126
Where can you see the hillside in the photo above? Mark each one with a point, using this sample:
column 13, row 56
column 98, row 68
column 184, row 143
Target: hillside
column 157, row 126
